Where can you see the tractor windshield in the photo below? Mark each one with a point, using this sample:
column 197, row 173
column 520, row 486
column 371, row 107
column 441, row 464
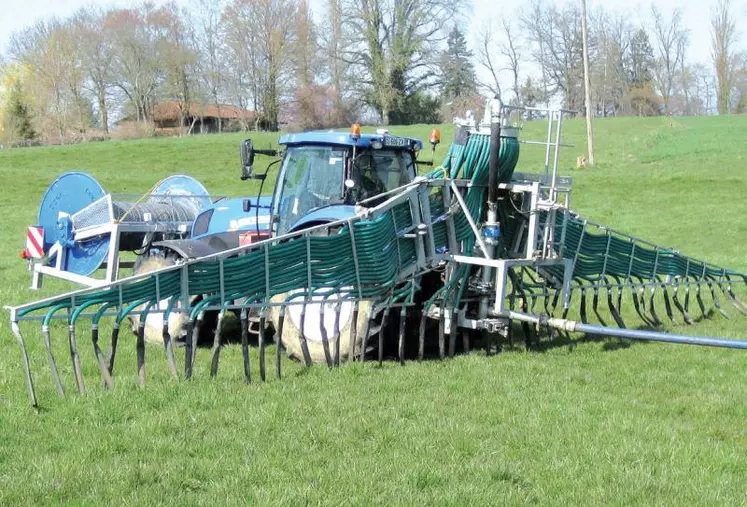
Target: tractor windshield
column 311, row 177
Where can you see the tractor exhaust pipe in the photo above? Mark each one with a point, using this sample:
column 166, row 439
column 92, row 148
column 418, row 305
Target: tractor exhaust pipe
column 633, row 334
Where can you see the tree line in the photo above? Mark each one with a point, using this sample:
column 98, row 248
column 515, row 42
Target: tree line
column 391, row 61
column 634, row 70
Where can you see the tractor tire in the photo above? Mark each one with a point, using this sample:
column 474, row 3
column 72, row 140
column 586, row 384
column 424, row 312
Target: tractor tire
column 291, row 338
column 154, row 322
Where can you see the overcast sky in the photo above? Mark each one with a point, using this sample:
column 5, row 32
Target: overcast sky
column 17, row 14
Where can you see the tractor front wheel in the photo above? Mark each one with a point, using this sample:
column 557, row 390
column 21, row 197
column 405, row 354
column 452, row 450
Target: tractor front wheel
column 311, row 314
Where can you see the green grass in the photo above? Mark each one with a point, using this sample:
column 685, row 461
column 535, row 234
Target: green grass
column 591, row 422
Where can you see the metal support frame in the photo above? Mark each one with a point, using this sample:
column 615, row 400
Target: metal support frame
column 450, row 230
column 502, row 267
column 532, row 229
column 425, row 206
column 51, row 264
column 471, row 221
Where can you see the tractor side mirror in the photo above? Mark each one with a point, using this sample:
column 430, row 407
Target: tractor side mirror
column 247, row 205
column 247, row 159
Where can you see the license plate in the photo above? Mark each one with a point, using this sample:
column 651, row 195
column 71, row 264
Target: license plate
column 397, row 142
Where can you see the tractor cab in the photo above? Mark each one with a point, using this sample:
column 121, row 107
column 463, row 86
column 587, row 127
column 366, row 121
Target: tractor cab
column 324, row 175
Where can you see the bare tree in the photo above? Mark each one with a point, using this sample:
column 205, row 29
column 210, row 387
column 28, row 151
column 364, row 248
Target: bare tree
column 557, row 48
column 739, row 92
column 723, row 39
column 612, row 33
column 46, row 49
column 530, row 16
column 333, row 45
column 208, row 42
column 241, row 57
column 487, row 58
column 394, row 47
column 686, row 84
column 306, row 48
column 587, row 85
column 333, row 38
column 97, row 54
column 500, row 50
column 68, row 42
column 671, row 42
column 260, row 34
column 178, row 58
column 511, row 50
column 705, row 86
column 138, row 65
column 306, row 63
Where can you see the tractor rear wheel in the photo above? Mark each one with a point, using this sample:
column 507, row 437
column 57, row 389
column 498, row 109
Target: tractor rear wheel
column 154, row 321
column 291, row 337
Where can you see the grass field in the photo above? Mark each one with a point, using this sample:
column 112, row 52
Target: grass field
column 590, row 422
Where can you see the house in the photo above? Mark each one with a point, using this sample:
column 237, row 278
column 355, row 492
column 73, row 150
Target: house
column 176, row 117
column 196, row 117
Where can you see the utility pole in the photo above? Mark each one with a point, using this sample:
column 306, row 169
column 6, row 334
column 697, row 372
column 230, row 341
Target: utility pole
column 587, row 85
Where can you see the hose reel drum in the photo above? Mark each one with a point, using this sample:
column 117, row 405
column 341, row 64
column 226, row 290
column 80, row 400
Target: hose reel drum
column 84, row 227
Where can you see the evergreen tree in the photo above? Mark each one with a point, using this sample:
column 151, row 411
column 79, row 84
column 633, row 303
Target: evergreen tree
column 532, row 95
column 458, row 73
column 640, row 60
column 18, row 116
column 418, row 107
column 641, row 94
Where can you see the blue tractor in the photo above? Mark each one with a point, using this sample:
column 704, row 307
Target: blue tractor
column 322, row 178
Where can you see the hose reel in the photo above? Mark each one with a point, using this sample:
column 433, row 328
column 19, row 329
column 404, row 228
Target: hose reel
column 79, row 219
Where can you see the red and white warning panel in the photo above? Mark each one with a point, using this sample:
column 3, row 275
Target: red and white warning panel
column 35, row 242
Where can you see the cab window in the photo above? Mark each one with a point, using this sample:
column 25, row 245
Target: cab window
column 379, row 171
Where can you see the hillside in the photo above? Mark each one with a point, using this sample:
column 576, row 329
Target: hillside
column 592, row 422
